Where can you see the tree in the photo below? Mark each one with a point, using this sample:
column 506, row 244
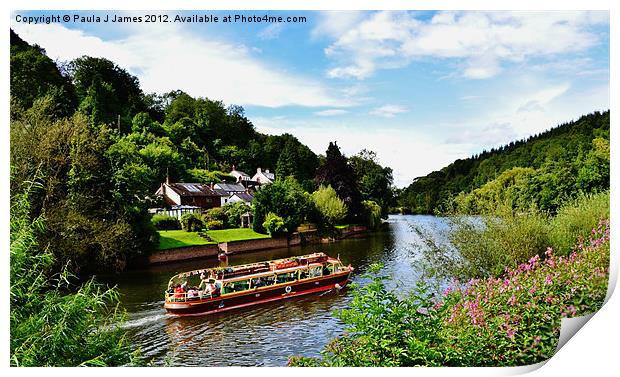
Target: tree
column 373, row 180
column 331, row 208
column 34, row 75
column 336, row 172
column 106, row 91
column 233, row 213
column 285, row 198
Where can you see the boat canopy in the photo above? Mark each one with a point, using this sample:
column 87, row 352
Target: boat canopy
column 255, row 269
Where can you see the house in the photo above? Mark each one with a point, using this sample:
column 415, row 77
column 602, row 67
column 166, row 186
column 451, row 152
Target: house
column 241, row 197
column 189, row 194
column 263, row 177
column 239, row 175
column 226, row 190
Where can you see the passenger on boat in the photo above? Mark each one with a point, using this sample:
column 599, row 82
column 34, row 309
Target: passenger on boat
column 258, row 282
column 179, row 293
column 214, row 288
column 192, row 294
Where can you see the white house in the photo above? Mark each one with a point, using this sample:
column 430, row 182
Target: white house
column 241, row 197
column 226, row 190
column 263, row 177
column 239, row 175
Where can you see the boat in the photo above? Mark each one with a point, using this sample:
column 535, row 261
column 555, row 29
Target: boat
column 219, row 289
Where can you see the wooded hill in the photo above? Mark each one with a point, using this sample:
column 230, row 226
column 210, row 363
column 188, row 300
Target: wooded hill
column 565, row 160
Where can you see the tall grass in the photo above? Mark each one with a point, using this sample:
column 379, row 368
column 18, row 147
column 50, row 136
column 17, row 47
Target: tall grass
column 53, row 322
column 488, row 245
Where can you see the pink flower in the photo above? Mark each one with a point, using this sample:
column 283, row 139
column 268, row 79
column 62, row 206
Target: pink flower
column 548, row 280
column 511, row 332
column 512, row 300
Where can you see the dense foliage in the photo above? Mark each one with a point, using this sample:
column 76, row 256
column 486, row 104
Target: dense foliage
column 336, row 171
column 53, row 322
column 103, row 147
column 489, row 244
column 373, row 180
column 284, row 198
column 542, row 171
column 331, row 208
column 165, row 222
column 506, row 321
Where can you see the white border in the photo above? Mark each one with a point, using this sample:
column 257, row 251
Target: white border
column 593, row 349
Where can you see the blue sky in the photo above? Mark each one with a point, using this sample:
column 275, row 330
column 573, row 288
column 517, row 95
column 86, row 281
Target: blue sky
column 420, row 88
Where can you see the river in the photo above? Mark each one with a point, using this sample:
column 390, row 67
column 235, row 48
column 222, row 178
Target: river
column 265, row 335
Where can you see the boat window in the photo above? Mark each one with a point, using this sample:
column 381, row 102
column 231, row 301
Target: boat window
column 236, row 286
column 328, row 269
column 303, row 274
column 315, row 271
column 282, row 278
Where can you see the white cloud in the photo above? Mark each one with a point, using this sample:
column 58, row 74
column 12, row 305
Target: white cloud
column 479, row 41
column 271, row 32
column 387, row 111
column 330, row 112
column 166, row 58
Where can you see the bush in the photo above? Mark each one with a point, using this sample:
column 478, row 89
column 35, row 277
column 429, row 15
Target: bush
column 215, row 214
column 191, row 222
column 165, row 222
column 214, row 224
column 274, row 224
column 331, row 208
column 233, row 213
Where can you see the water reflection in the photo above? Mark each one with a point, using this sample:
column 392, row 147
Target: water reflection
column 268, row 334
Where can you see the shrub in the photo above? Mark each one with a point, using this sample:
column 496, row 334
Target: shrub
column 165, row 222
column 331, row 208
column 233, row 213
column 215, row 214
column 214, row 224
column 191, row 222
column 274, row 224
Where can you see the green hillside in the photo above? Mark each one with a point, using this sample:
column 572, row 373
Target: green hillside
column 563, row 161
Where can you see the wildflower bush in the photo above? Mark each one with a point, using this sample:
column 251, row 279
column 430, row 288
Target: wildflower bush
column 506, row 321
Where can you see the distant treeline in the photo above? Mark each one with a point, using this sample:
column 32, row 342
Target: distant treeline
column 541, row 171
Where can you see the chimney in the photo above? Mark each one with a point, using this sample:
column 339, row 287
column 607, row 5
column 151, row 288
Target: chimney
column 267, row 171
column 258, row 170
column 234, row 168
column 211, row 185
column 167, row 179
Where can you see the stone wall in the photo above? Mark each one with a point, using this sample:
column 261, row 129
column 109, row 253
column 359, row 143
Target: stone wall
column 252, row 245
column 183, row 253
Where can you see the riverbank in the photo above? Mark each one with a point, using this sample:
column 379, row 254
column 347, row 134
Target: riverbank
column 255, row 242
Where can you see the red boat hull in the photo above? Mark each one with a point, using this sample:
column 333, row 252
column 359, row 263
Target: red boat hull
column 257, row 296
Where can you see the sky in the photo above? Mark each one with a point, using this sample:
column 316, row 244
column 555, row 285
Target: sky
column 420, row 88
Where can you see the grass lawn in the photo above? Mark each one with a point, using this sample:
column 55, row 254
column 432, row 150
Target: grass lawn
column 170, row 239
column 237, row 234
